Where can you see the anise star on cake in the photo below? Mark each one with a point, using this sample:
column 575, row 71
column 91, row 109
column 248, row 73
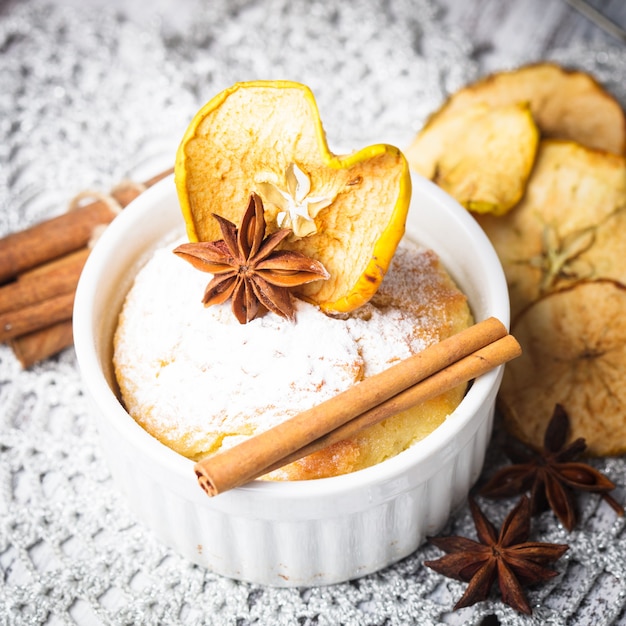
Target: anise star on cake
column 248, row 268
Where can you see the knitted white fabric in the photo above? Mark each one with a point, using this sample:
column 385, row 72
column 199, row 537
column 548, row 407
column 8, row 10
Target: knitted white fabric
column 89, row 96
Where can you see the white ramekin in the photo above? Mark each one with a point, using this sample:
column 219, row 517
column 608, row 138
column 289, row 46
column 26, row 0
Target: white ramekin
column 292, row 533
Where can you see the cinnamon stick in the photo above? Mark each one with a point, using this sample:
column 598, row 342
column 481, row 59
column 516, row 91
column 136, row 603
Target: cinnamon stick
column 253, row 457
column 470, row 367
column 51, row 239
column 36, row 316
column 65, row 233
column 41, row 344
column 46, row 281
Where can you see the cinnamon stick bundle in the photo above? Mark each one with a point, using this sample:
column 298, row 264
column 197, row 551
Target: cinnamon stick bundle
column 43, row 264
column 433, row 371
column 65, row 233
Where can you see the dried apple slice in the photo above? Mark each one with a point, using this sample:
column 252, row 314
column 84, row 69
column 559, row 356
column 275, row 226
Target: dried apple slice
column 481, row 155
column 605, row 257
column 566, row 104
column 573, row 353
column 346, row 211
column 551, row 238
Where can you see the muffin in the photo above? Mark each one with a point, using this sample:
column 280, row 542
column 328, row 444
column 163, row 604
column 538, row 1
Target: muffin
column 200, row 382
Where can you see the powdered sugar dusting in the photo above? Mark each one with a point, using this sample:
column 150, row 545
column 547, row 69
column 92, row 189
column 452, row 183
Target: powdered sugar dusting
column 199, row 380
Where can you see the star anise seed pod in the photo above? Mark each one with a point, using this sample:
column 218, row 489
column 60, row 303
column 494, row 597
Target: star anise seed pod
column 506, row 556
column 248, row 268
column 551, row 475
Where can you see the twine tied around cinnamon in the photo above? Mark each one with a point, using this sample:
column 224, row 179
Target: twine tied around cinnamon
column 40, row 267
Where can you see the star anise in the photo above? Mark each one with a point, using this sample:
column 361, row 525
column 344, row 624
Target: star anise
column 551, row 475
column 506, row 556
column 248, row 268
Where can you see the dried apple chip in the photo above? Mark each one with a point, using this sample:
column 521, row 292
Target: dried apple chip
column 573, row 353
column 555, row 235
column 605, row 257
column 566, row 104
column 481, row 155
column 348, row 212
